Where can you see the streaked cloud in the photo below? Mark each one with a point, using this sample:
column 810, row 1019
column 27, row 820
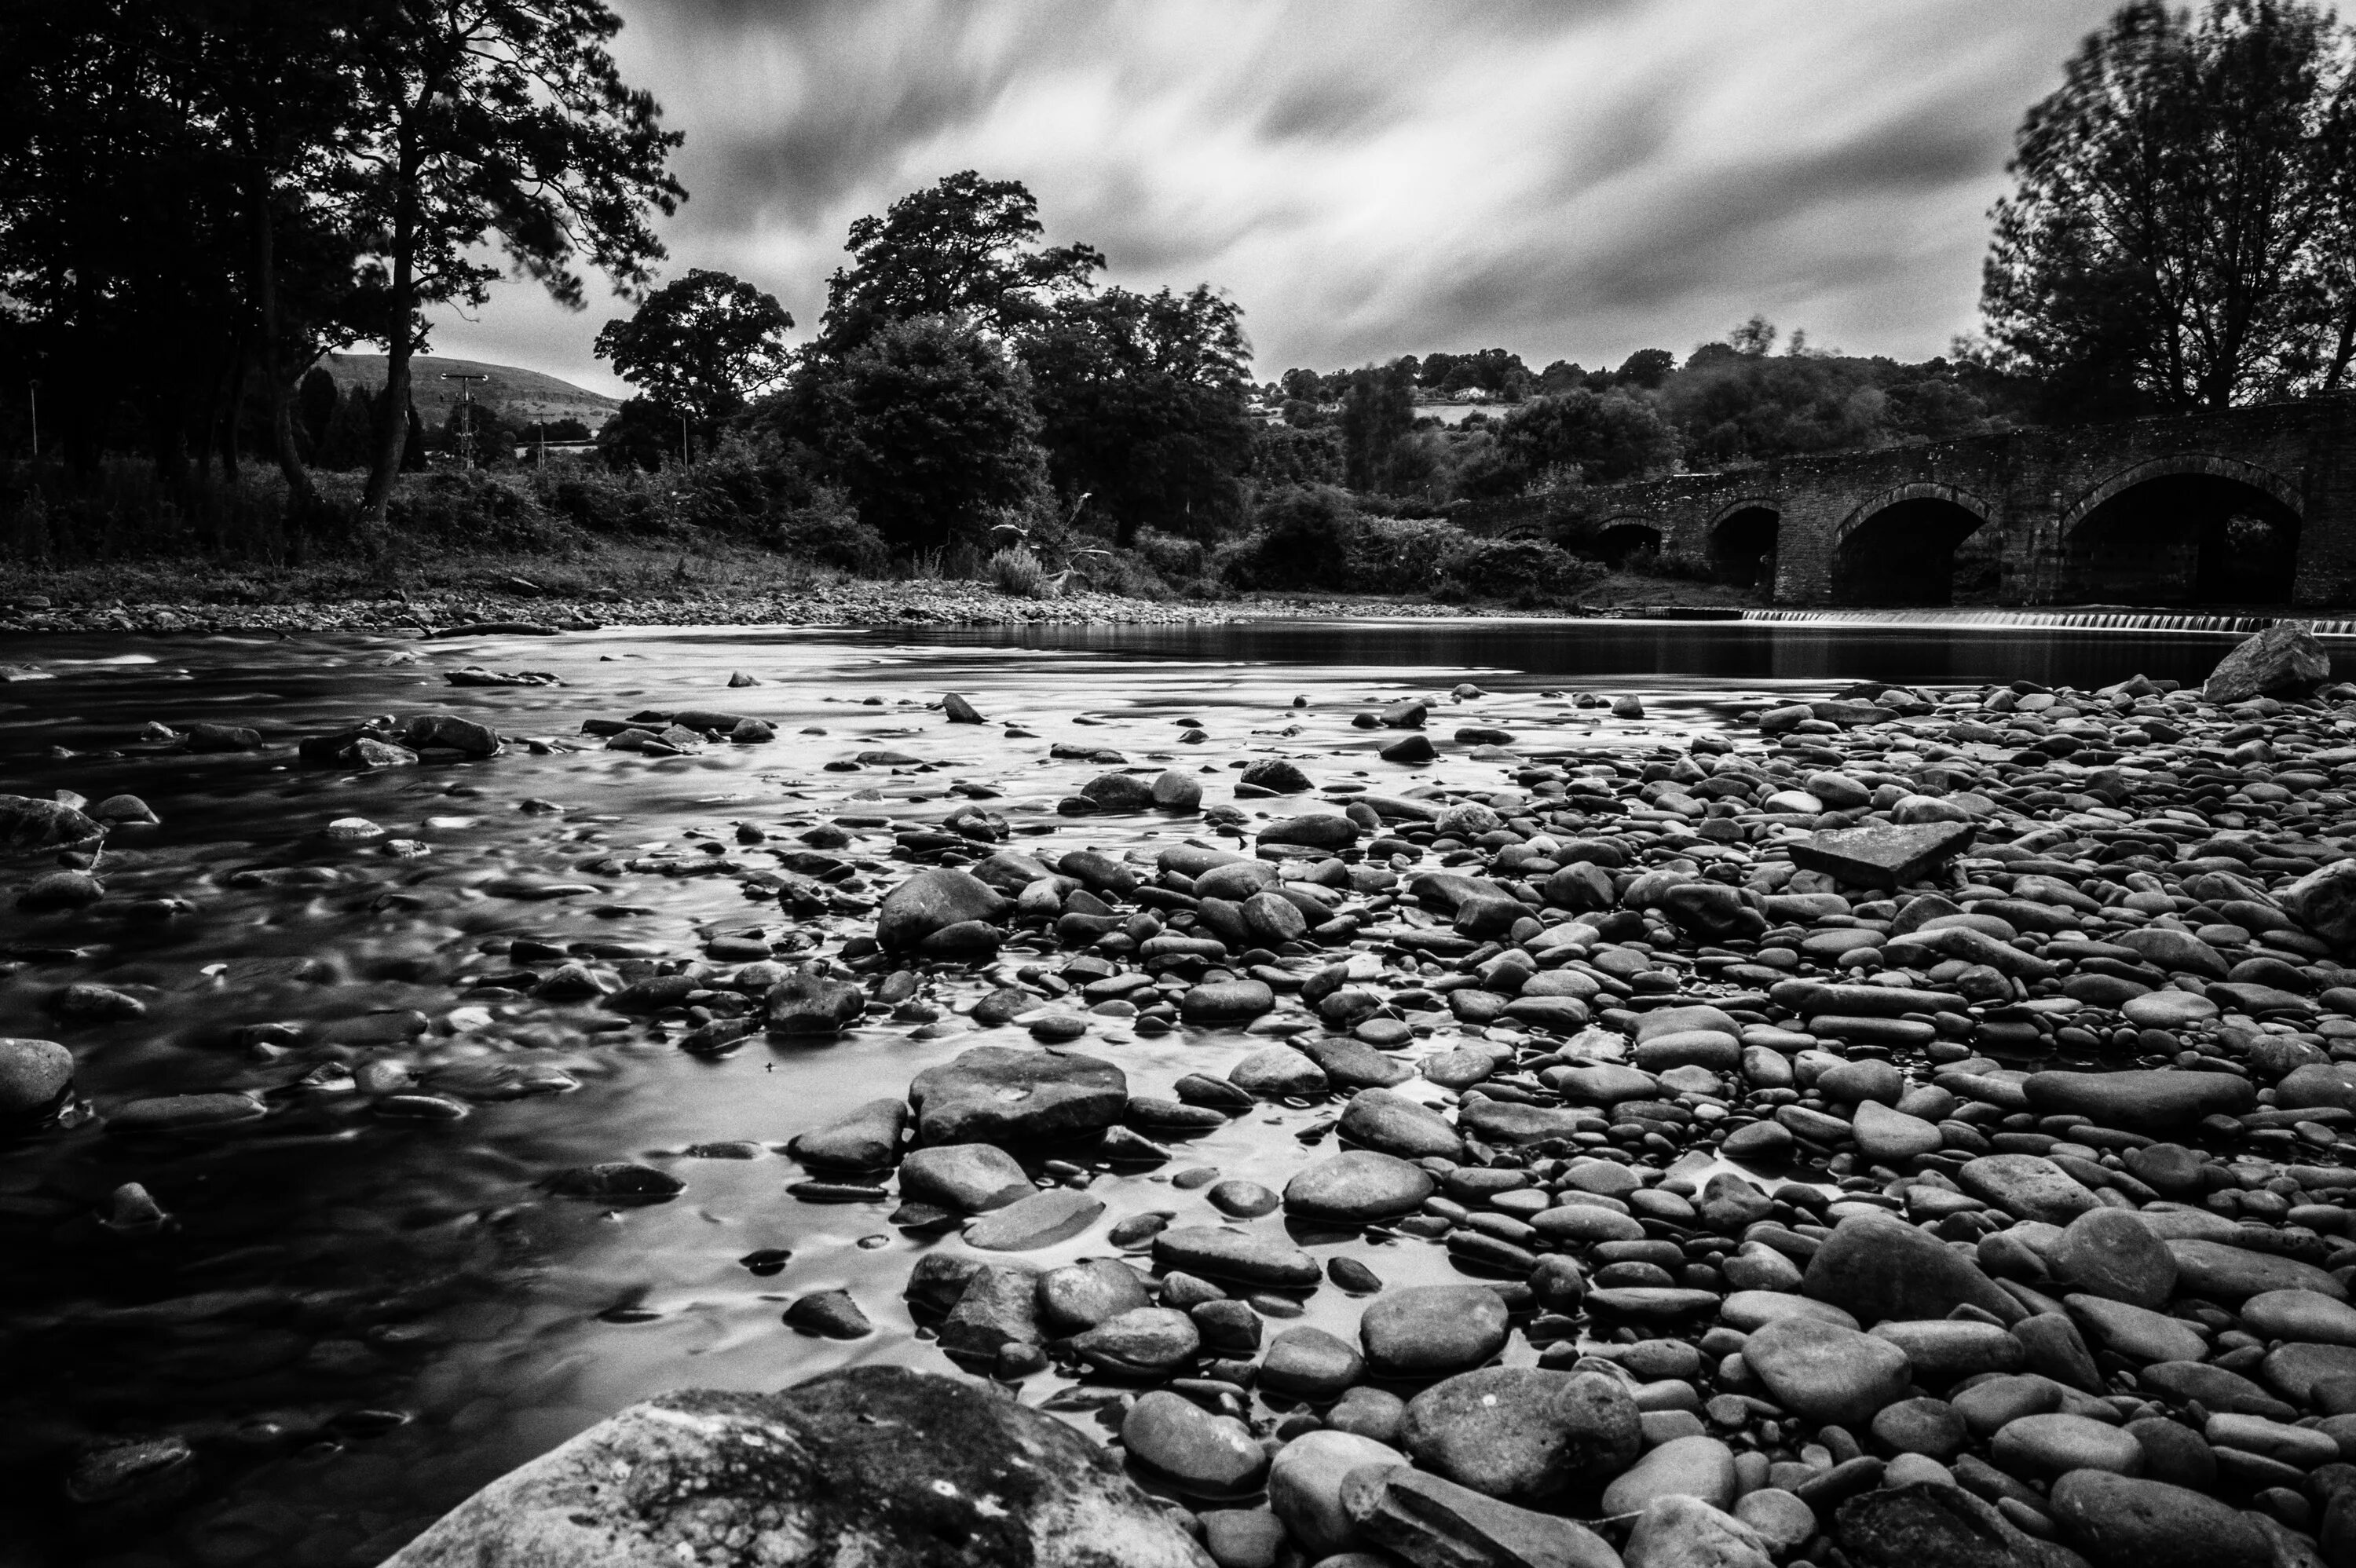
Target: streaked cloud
column 1371, row 178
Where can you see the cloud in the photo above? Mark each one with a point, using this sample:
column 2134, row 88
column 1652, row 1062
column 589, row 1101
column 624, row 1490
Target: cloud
column 1370, row 177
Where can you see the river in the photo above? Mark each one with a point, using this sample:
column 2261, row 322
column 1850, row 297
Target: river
column 354, row 1319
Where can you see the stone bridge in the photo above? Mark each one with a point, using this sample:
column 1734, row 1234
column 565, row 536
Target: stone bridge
column 2246, row 506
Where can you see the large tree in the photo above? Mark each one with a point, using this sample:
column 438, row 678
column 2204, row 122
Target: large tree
column 927, row 425
column 1143, row 402
column 2180, row 232
column 494, row 122
column 704, row 346
column 1378, row 411
column 968, row 250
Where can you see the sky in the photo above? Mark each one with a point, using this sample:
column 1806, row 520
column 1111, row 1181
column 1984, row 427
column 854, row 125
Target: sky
column 1569, row 179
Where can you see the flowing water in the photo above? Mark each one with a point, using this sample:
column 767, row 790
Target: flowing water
column 354, row 1319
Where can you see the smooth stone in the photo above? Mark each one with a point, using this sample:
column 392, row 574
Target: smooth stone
column 1432, row 1329
column 2027, row 1186
column 1304, row 1487
column 1144, row 1341
column 181, row 1113
column 1780, row 1520
column 1881, row 1267
column 2225, row 1273
column 1988, row 1407
column 967, row 1178
column 1228, row 1001
column 1080, row 1296
column 2294, row 1371
column 2153, row 1102
column 1355, row 1187
column 1945, row 1350
column 867, row 1138
column 1279, row 1072
column 1207, row 1455
column 2118, row 1522
column 1748, row 1309
column 1928, row 1427
column 34, row 1074
column 1310, row 1364
column 1522, row 1433
column 2055, row 1444
column 1888, row 1136
column 997, row 1093
column 1047, row 1216
column 1241, row 1257
column 2112, row 1253
column 2135, row 1332
column 1392, row 1123
column 2214, row 1387
column 1686, row 1532
column 1827, row 1373
column 2319, row 1085
column 1435, row 1523
column 1700, row 1467
column 2168, row 1009
column 2301, row 1316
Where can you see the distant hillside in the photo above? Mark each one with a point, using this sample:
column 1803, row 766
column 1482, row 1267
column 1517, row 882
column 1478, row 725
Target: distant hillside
column 522, row 395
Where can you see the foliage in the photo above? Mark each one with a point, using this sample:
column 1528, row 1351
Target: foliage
column 927, row 427
column 1302, row 534
column 2182, row 230
column 479, row 121
column 704, row 345
column 1141, row 406
column 1378, row 411
column 1016, row 571
column 1285, row 454
column 1598, row 439
column 965, row 250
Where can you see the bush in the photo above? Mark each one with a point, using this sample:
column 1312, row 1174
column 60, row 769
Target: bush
column 1017, row 571
column 1523, row 571
column 1303, row 533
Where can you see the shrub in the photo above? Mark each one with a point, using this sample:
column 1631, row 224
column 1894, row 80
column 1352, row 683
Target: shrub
column 1303, row 534
column 1017, row 571
column 1524, row 570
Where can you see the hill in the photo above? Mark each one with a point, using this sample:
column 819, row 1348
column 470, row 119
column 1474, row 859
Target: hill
column 522, row 395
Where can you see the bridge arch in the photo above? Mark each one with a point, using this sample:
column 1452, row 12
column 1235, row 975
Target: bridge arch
column 1739, row 541
column 2185, row 528
column 1624, row 536
column 1914, row 544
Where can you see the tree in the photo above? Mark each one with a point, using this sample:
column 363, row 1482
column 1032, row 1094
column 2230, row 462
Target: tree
column 966, row 249
column 1598, row 439
column 705, row 346
column 1647, row 368
column 475, row 120
column 2180, row 232
column 1142, row 403
column 927, row 425
column 1753, row 338
column 1378, row 411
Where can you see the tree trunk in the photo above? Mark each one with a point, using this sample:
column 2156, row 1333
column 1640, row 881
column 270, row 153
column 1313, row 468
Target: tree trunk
column 2345, row 348
column 301, row 496
column 236, row 414
column 392, row 424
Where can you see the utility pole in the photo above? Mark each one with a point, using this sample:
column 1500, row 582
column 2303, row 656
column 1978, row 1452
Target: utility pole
column 466, row 379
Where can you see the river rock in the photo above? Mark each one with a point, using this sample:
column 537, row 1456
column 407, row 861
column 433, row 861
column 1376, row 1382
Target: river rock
column 1355, row 1187
column 1228, row 1001
column 1143, row 1342
column 2141, row 1102
column 1882, row 855
column 1207, row 1454
column 1042, row 1219
column 2319, row 1085
column 807, row 1001
column 2057, row 1443
column 1278, row 1073
column 2299, row 1315
column 2118, row 1522
column 1683, row 1467
column 29, row 825
column 1241, row 1257
column 965, row 1178
column 34, row 1076
column 1309, row 1363
column 1825, row 1372
column 2111, row 1252
column 867, row 1138
column 1395, row 1124
column 1929, row 1524
column 1432, row 1329
column 2138, row 1333
column 1435, row 1523
column 2027, row 1186
column 1889, row 1136
column 934, row 899
column 998, row 1307
column 1304, row 1487
column 1522, row 1433
column 2285, row 658
column 2224, row 1273
column 1943, row 1349
column 1679, row 1532
column 997, row 1093
column 1878, row 1267
column 2324, row 900
column 869, row 1463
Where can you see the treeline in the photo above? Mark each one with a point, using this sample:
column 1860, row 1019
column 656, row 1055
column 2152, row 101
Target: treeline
column 198, row 197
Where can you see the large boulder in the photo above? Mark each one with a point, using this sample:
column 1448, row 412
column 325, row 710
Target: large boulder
column 869, row 1463
column 2324, row 900
column 2285, row 657
column 29, row 824
column 33, row 1075
column 934, row 899
column 2117, row 1521
column 1522, row 1433
column 997, row 1093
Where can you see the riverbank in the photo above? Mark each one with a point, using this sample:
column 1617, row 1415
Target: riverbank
column 647, row 586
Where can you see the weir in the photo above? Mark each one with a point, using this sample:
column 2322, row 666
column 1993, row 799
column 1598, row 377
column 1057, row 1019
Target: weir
column 2073, row 620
